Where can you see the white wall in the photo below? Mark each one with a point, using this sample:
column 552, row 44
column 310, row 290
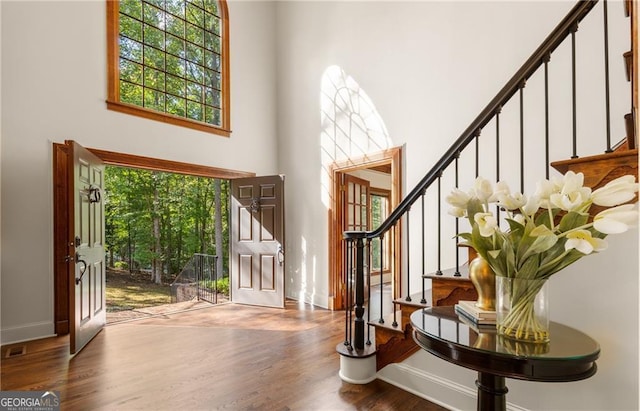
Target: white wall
column 54, row 88
column 429, row 68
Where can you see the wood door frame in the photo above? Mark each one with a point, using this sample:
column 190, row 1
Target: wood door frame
column 61, row 207
column 391, row 157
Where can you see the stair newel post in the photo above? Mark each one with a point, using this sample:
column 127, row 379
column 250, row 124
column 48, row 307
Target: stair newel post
column 359, row 306
column 439, row 270
column 423, row 300
column 357, row 359
column 606, row 75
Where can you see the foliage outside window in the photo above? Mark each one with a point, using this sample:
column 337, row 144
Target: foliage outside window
column 156, row 221
column 380, row 200
column 168, row 61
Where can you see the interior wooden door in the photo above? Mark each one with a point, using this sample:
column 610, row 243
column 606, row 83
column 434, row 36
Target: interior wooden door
column 86, row 270
column 357, row 204
column 257, row 241
column 355, row 216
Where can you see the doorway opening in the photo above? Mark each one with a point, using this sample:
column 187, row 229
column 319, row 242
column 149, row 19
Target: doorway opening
column 167, row 242
column 364, row 192
column 63, row 309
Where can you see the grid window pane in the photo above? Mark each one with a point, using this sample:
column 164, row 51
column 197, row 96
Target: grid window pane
column 213, row 116
column 130, row 93
column 212, row 97
column 195, row 54
column 194, row 91
column 176, row 85
column 153, row 37
column 170, row 57
column 176, row 105
column 153, row 15
column 212, row 60
column 131, row 50
column 130, row 71
column 175, row 25
column 195, row 73
column 154, row 99
column 175, row 65
column 132, row 8
column 194, row 14
column 153, row 58
column 212, row 6
column 175, row 46
column 131, row 28
column 195, row 111
column 154, row 79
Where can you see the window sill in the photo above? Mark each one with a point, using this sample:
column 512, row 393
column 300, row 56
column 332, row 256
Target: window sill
column 166, row 118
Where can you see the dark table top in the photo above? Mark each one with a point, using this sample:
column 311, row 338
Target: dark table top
column 569, row 355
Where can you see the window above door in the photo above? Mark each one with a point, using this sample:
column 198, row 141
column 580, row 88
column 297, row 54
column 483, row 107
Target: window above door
column 168, row 60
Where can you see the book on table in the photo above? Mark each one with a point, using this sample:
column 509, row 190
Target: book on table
column 469, row 319
column 474, row 313
column 482, row 327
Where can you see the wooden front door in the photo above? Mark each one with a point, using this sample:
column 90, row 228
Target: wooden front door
column 257, row 241
column 86, row 268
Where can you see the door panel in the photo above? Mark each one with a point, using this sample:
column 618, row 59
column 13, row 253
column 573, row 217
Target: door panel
column 257, row 241
column 86, row 246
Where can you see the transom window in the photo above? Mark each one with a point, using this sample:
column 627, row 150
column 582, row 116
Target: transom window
column 168, row 61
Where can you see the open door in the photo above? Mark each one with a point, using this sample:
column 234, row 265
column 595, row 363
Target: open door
column 257, row 241
column 86, row 268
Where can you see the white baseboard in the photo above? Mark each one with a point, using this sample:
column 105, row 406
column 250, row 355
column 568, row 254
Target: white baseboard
column 438, row 390
column 28, row 332
column 313, row 299
column 441, row 391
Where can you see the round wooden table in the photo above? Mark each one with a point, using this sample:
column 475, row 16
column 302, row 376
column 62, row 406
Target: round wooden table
column 569, row 356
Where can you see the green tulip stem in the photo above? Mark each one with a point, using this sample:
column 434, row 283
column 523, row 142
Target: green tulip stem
column 521, row 322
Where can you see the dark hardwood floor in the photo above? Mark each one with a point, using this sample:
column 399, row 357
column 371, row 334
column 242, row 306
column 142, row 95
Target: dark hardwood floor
column 229, row 357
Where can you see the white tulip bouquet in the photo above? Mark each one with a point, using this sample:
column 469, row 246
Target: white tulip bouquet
column 547, row 231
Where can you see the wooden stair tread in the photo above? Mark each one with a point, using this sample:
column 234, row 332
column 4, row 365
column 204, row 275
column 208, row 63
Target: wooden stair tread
column 449, row 273
column 415, row 299
column 388, row 322
column 599, row 169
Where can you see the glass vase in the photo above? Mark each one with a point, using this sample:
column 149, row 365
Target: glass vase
column 522, row 309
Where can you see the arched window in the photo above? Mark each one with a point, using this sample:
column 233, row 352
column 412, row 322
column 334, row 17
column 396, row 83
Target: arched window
column 168, row 60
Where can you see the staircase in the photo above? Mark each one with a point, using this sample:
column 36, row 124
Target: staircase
column 392, row 340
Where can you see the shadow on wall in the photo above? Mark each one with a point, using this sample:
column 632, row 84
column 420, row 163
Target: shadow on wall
column 351, row 125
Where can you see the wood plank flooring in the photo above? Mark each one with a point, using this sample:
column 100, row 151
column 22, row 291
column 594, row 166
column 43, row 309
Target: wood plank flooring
column 227, row 357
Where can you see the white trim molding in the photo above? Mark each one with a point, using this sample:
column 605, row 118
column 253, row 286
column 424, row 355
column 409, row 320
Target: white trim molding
column 441, row 391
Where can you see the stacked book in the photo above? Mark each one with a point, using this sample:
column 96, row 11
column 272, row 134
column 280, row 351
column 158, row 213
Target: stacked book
column 470, row 313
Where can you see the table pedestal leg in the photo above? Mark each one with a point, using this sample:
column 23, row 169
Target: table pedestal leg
column 492, row 392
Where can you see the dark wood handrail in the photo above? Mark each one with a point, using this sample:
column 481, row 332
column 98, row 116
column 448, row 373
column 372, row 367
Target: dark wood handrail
column 543, row 52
